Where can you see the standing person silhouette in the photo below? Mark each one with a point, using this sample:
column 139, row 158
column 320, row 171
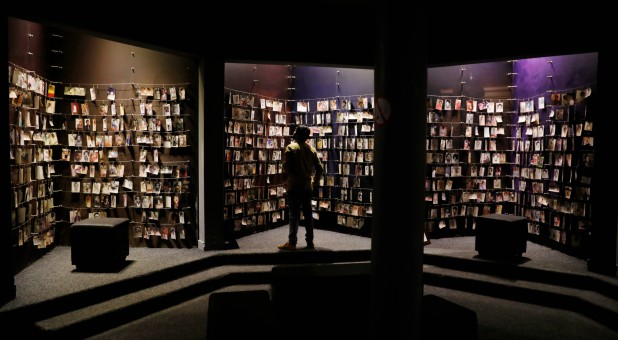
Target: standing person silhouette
column 303, row 168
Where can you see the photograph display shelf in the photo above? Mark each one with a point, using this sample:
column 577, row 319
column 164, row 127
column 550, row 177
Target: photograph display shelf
column 554, row 154
column 527, row 157
column 257, row 131
column 119, row 150
column 468, row 163
column 343, row 132
column 33, row 168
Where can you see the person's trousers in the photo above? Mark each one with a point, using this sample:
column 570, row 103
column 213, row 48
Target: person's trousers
column 300, row 200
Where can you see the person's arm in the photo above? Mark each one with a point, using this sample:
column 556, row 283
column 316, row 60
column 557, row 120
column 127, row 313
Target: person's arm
column 319, row 169
column 286, row 161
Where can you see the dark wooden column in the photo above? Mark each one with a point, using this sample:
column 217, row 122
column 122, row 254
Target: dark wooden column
column 212, row 226
column 399, row 172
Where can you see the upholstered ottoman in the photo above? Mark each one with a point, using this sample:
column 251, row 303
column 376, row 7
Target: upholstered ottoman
column 500, row 235
column 99, row 242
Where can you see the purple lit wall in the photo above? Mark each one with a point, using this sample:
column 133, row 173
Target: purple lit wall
column 272, row 80
column 488, row 80
column 531, row 76
column 314, row 82
column 306, row 82
column 537, row 76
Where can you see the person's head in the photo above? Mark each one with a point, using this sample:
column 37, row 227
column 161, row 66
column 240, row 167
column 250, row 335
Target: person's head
column 301, row 133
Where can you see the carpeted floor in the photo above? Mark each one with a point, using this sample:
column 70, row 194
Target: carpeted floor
column 53, row 276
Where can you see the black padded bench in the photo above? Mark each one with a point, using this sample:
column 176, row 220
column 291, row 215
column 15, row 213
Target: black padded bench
column 241, row 315
column 500, row 235
column 315, row 301
column 329, row 300
column 99, row 242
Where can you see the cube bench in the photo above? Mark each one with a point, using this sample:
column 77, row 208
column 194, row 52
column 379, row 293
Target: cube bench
column 240, row 315
column 334, row 296
column 99, row 242
column 501, row 235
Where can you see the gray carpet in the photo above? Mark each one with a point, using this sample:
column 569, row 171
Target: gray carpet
column 53, row 276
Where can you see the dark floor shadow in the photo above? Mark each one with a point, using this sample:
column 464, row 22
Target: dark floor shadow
column 304, row 249
column 104, row 268
column 516, row 260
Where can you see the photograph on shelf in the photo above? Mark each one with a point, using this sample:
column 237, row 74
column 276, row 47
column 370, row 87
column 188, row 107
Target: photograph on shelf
column 482, row 105
column 322, row 105
column 559, row 114
column 87, row 124
column 94, row 156
column 103, row 109
column 568, row 99
column 96, row 188
column 470, row 118
column 490, row 107
column 90, row 141
column 50, row 106
column 51, row 138
column 302, row 106
column 106, row 188
column 76, row 187
column 588, row 160
column 172, row 93
column 485, row 157
column 75, row 108
column 470, row 106
column 106, row 201
column 111, row 93
column 447, row 104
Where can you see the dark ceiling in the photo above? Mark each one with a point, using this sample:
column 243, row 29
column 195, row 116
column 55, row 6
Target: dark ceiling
column 338, row 32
